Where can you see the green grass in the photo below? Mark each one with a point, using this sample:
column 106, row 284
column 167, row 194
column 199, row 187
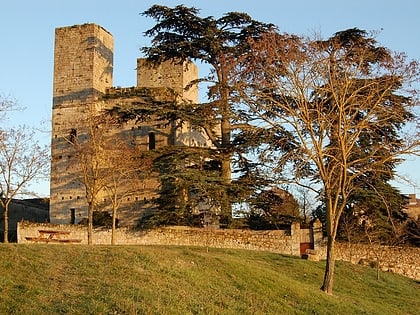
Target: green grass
column 57, row 279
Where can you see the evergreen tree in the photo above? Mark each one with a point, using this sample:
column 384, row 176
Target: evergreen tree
column 180, row 34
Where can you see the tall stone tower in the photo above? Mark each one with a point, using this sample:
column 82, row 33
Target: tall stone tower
column 83, row 66
column 83, row 62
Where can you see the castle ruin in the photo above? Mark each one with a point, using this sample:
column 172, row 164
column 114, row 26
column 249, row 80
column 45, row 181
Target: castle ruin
column 83, row 71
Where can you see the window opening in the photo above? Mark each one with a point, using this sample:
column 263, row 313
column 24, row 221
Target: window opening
column 152, row 141
column 72, row 216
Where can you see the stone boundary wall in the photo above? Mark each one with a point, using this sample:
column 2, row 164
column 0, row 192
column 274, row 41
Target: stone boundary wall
column 401, row 260
column 277, row 241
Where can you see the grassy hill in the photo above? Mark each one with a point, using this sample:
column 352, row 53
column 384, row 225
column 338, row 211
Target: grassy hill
column 66, row 279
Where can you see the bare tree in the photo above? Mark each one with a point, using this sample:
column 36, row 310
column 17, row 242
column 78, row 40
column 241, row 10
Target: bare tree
column 306, row 199
column 340, row 106
column 126, row 164
column 8, row 104
column 90, row 145
column 108, row 161
column 22, row 160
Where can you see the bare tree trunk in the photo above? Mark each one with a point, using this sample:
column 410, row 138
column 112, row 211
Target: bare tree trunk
column 327, row 285
column 114, row 219
column 6, row 223
column 90, row 223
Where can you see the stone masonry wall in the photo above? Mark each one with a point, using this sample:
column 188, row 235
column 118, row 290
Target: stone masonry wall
column 401, row 260
column 176, row 76
column 279, row 241
column 83, row 62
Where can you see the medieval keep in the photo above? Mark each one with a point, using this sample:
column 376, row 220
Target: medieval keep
column 83, row 70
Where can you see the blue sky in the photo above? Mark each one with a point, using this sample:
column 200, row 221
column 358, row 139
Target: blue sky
column 27, row 40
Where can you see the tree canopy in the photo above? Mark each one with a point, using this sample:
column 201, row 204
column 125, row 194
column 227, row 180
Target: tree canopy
column 342, row 102
column 180, row 34
column 285, row 109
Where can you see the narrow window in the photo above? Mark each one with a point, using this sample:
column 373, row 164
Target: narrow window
column 152, row 141
column 72, row 216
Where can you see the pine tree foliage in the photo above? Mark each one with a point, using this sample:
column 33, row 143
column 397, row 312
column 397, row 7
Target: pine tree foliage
column 180, row 34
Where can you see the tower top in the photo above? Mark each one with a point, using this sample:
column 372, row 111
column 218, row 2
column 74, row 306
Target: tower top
column 171, row 74
column 83, row 63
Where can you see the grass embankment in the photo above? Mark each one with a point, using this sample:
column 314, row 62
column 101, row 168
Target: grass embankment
column 57, row 279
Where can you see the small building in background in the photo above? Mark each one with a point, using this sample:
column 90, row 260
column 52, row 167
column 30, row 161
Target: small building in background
column 30, row 210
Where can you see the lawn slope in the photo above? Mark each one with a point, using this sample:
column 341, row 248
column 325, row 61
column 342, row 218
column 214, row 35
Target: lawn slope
column 77, row 279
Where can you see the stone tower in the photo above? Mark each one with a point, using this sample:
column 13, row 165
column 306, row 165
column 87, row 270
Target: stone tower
column 83, row 61
column 173, row 75
column 83, row 66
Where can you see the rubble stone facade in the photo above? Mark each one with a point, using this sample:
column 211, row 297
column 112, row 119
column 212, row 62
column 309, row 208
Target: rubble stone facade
column 83, row 71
